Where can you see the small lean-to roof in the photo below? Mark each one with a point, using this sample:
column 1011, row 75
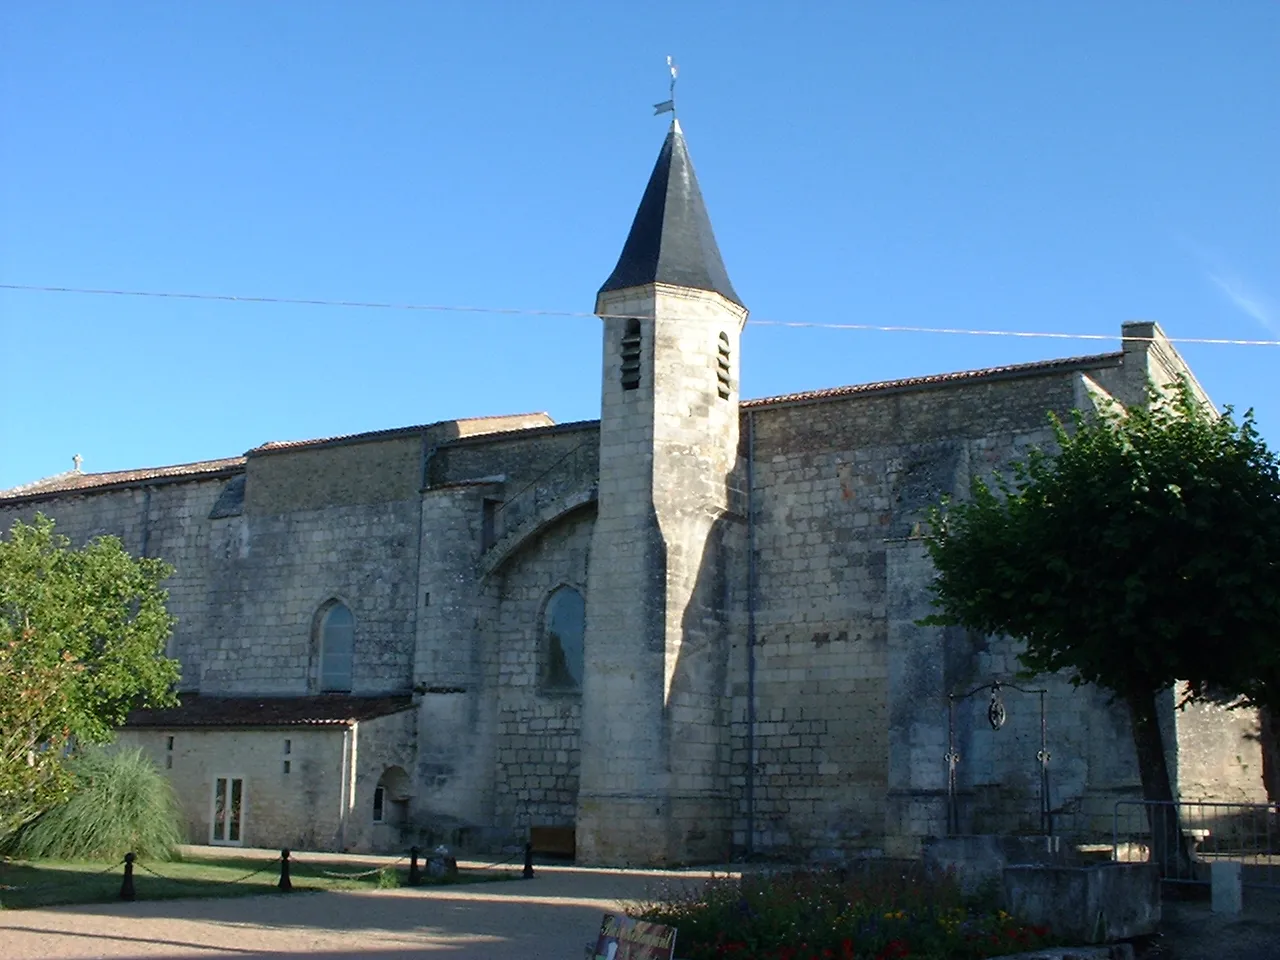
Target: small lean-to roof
column 73, row 480
column 1012, row 371
column 333, row 709
column 671, row 240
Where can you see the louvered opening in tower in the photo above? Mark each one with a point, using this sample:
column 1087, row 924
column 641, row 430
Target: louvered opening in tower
column 631, row 356
column 722, row 368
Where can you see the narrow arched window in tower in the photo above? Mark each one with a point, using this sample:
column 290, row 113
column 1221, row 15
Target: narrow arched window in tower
column 337, row 644
column 722, row 367
column 564, row 622
column 631, row 355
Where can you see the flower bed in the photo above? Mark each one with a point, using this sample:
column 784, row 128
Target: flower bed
column 877, row 912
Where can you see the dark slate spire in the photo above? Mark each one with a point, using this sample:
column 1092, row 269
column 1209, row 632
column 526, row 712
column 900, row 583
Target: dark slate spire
column 671, row 239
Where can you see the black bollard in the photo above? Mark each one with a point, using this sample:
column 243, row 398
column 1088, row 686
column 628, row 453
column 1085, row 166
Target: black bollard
column 415, row 878
column 528, row 861
column 285, row 883
column 126, row 885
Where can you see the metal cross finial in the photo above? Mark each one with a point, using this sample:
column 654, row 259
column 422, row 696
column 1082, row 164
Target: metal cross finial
column 669, row 106
column 77, row 460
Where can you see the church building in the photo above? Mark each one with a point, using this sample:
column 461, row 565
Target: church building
column 685, row 632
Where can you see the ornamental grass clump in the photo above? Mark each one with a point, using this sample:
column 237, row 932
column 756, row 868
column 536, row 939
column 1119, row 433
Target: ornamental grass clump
column 119, row 802
column 881, row 912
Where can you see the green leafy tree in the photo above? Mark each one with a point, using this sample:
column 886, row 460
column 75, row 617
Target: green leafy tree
column 82, row 641
column 1146, row 551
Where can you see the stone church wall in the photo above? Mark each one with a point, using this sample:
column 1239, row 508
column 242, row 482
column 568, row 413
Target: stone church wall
column 844, row 751
column 536, row 781
column 470, row 548
column 277, row 571
column 339, row 474
column 167, row 520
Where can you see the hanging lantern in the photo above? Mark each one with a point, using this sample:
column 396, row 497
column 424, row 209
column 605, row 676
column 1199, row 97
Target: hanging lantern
column 996, row 715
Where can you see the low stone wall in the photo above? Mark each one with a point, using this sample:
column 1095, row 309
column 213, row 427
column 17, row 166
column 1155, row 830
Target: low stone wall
column 979, row 861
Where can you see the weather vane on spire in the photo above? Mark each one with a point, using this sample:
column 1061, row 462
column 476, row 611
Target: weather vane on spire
column 669, row 106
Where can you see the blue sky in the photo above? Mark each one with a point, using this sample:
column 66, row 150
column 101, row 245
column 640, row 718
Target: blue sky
column 1057, row 167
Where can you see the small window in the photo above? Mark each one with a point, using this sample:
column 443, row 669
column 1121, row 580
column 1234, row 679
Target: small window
column 287, row 766
column 337, row 643
column 631, row 355
column 168, row 744
column 391, row 797
column 489, row 523
column 288, row 747
column 563, row 629
column 722, row 368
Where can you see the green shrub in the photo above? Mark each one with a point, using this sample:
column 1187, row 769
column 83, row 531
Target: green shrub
column 883, row 912
column 119, row 802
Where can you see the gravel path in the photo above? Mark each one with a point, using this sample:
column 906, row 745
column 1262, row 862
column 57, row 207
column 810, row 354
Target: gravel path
column 551, row 916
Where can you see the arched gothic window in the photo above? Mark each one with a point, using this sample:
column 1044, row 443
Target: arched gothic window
column 337, row 643
column 563, row 626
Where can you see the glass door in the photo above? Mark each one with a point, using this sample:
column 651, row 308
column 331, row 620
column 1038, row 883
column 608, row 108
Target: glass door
column 228, row 810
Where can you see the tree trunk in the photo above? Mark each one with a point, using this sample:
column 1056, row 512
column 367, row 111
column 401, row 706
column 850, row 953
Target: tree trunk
column 1170, row 850
column 1269, row 740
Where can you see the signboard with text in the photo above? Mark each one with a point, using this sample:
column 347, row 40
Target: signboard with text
column 622, row 938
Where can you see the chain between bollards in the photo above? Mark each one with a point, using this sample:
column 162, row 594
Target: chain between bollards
column 285, row 884
column 127, row 891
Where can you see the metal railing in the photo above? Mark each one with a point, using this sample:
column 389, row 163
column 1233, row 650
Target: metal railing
column 1248, row 833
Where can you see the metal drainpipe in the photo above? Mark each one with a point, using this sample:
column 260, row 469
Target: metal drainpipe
column 342, row 787
column 351, row 789
column 146, row 521
column 751, row 635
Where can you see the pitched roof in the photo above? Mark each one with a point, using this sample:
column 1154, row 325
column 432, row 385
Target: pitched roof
column 1009, row 371
column 468, row 426
column 74, row 480
column 671, row 240
column 198, row 710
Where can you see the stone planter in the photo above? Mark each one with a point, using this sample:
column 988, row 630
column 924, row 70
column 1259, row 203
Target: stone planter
column 1087, row 904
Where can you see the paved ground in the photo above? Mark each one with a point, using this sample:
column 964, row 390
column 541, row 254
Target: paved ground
column 1190, row 931
column 552, row 916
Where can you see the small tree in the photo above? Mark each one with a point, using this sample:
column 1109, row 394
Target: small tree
column 1145, row 552
column 82, row 638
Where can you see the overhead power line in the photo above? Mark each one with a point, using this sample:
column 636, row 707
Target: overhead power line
column 529, row 312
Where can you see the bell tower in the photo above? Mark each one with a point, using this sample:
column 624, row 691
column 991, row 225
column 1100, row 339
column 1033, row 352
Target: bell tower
column 652, row 788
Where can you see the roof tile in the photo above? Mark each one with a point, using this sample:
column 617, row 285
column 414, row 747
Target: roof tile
column 198, row 710
column 906, row 383
column 74, row 480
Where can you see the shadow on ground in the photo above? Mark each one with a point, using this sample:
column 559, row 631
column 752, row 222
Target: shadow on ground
column 552, row 916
